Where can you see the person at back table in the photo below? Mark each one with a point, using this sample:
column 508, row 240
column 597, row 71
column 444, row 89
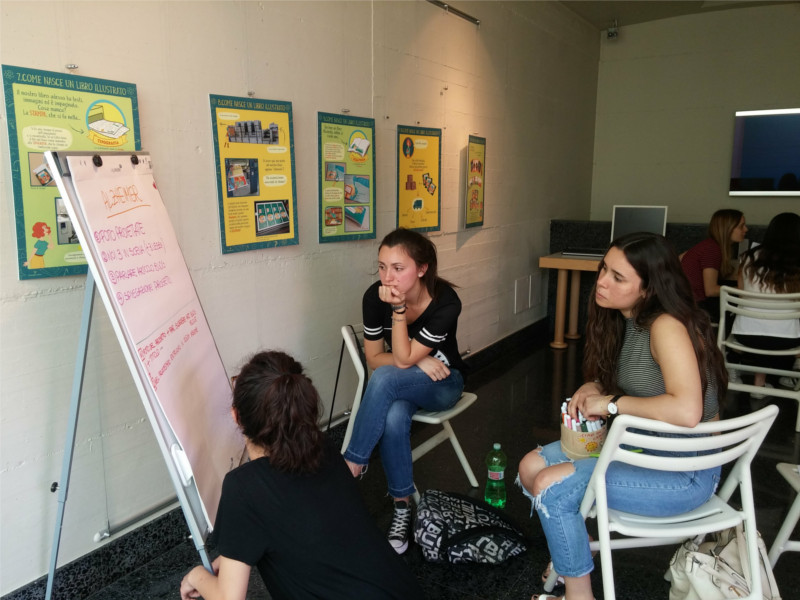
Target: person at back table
column 773, row 268
column 294, row 510
column 712, row 261
column 415, row 312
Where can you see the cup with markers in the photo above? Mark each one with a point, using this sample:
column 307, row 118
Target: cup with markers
column 581, row 438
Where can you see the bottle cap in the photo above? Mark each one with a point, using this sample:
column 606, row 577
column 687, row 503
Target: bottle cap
column 496, row 446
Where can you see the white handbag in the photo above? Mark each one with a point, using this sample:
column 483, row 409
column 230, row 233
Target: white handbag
column 713, row 570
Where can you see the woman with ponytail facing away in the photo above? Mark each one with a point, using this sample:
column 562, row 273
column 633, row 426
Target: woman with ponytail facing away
column 294, row 511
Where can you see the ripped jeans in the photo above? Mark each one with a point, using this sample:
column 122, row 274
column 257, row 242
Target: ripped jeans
column 631, row 489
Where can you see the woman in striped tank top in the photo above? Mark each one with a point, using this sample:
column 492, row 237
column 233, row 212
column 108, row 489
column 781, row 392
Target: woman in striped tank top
column 650, row 352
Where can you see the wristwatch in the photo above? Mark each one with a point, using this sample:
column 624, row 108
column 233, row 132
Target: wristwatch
column 612, row 405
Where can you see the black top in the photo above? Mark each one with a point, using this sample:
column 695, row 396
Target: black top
column 434, row 328
column 310, row 535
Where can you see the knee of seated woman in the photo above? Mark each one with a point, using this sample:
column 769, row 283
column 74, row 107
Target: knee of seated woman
column 551, row 475
column 530, row 466
column 383, row 378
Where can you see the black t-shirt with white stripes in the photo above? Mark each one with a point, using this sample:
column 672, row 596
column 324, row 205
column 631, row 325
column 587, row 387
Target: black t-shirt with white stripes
column 435, row 327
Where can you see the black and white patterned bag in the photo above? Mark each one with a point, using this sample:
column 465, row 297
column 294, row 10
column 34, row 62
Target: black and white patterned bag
column 458, row 529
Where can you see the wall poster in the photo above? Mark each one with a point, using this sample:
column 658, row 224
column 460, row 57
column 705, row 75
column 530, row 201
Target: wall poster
column 346, row 177
column 254, row 152
column 419, row 160
column 476, row 165
column 57, row 111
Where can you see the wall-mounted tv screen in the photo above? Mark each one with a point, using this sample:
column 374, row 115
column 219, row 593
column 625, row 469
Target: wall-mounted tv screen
column 766, row 153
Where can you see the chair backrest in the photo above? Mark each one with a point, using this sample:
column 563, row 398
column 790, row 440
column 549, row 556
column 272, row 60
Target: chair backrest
column 353, row 341
column 773, row 307
column 352, row 336
column 717, row 442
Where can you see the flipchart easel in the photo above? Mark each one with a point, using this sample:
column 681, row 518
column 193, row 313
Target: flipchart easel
column 136, row 266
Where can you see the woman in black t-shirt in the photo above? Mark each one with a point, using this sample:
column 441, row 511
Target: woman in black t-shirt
column 414, row 312
column 293, row 511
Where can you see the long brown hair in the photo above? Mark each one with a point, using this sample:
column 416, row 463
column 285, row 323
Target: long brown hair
column 278, row 408
column 667, row 290
column 722, row 224
column 776, row 262
column 422, row 251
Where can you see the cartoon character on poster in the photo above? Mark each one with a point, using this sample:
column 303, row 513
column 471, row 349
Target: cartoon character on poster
column 44, row 237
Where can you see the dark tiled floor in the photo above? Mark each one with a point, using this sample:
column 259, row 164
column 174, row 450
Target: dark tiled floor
column 518, row 403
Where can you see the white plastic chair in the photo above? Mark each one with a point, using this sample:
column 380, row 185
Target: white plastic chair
column 353, row 339
column 782, row 542
column 727, row 440
column 782, row 307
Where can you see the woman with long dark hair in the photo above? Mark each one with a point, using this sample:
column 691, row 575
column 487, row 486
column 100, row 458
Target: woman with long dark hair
column 772, row 267
column 712, row 260
column 410, row 320
column 650, row 352
column 293, row 511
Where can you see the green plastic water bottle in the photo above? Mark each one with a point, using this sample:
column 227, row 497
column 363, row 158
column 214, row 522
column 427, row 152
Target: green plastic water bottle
column 496, row 462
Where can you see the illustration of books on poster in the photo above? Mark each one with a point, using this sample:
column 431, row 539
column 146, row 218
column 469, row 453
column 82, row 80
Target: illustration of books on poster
column 427, row 182
column 357, row 218
column 271, row 217
column 333, row 216
column 334, row 171
column 359, row 146
column 42, row 174
column 356, row 189
column 99, row 124
column 236, row 178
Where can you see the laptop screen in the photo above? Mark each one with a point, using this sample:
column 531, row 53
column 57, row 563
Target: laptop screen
column 630, row 219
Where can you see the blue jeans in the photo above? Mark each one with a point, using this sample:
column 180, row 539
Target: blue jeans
column 630, row 489
column 392, row 397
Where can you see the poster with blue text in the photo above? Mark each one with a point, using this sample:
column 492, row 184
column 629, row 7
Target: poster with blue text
column 254, row 152
column 58, row 111
column 346, row 177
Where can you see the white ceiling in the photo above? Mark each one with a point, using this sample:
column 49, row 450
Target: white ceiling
column 603, row 13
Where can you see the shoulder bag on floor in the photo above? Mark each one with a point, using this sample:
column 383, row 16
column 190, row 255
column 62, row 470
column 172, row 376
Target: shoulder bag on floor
column 458, row 529
column 713, row 570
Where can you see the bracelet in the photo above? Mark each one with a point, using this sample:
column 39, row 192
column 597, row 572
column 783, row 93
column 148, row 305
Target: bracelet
column 397, row 307
column 400, row 312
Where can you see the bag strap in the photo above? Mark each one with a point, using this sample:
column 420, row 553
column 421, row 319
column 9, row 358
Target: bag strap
column 335, row 386
column 744, row 557
column 363, row 360
column 748, row 569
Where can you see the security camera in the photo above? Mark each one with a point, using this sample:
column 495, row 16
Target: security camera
column 613, row 32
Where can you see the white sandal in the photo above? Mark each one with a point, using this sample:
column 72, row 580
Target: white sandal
column 546, row 574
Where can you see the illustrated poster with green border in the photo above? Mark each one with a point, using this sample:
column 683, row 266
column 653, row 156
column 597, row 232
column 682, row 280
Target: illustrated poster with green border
column 254, row 154
column 346, row 177
column 476, row 166
column 59, row 112
column 419, row 160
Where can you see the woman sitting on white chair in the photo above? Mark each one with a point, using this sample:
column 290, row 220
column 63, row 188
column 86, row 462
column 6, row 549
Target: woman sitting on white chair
column 415, row 312
column 650, row 352
column 772, row 267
